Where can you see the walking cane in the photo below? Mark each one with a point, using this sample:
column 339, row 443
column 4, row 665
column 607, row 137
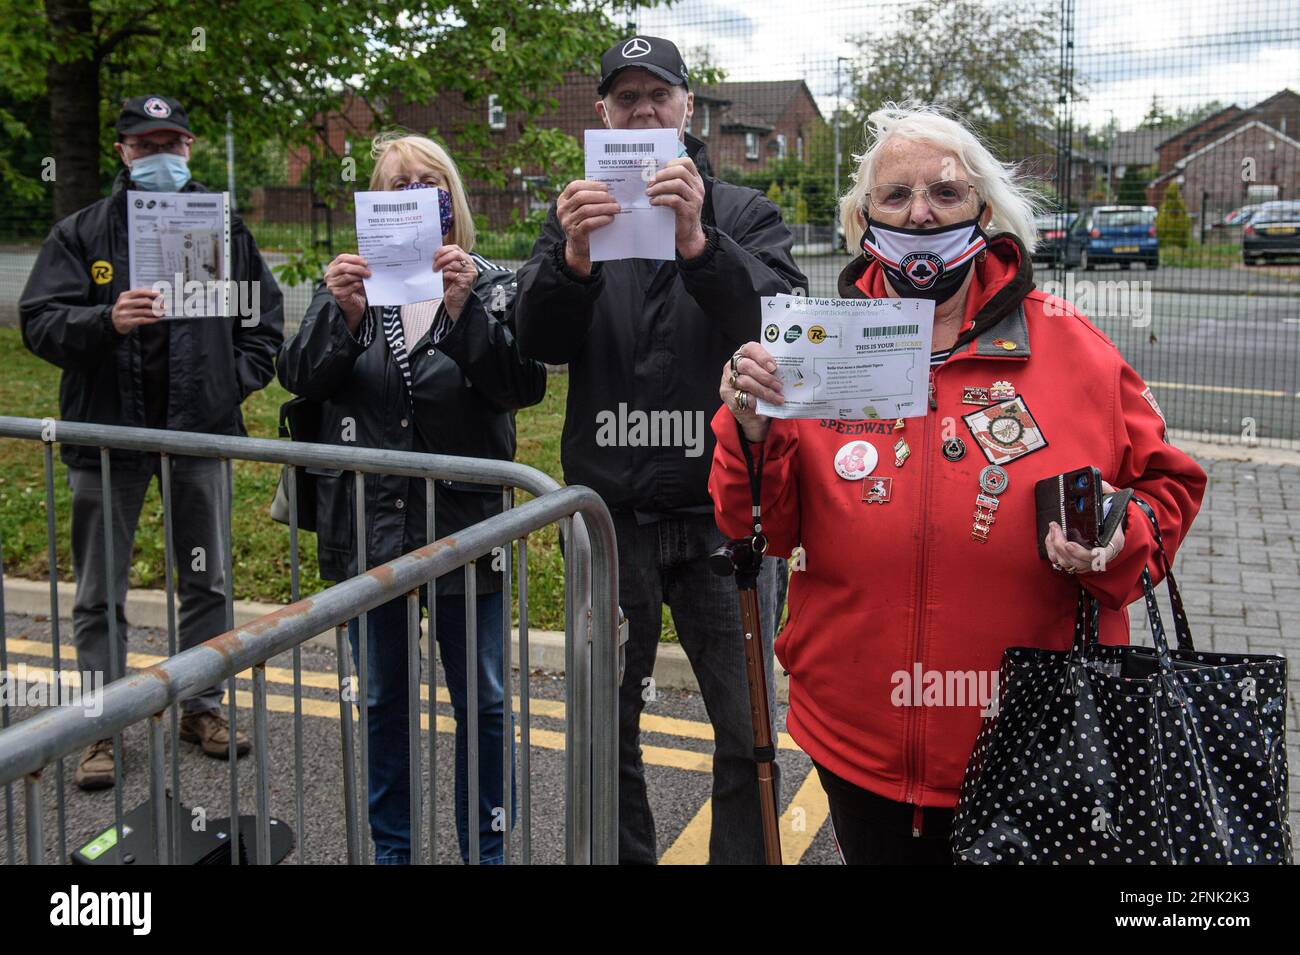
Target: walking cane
column 742, row 558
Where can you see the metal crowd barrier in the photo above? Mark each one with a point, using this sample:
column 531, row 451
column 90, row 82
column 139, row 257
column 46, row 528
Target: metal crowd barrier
column 592, row 673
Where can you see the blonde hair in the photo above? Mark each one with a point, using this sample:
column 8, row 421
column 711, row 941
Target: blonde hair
column 1013, row 205
column 408, row 149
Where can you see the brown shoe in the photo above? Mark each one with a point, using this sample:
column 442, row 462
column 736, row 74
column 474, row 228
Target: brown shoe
column 211, row 730
column 95, row 771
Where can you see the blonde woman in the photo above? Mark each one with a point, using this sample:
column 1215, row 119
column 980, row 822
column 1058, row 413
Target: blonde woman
column 443, row 376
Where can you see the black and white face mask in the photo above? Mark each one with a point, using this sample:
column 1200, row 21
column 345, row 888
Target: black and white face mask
column 925, row 263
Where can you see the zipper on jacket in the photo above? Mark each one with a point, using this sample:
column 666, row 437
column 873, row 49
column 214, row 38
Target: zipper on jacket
column 1060, row 480
column 913, row 724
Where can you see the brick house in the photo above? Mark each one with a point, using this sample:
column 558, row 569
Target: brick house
column 1212, row 179
column 1208, row 159
column 744, row 125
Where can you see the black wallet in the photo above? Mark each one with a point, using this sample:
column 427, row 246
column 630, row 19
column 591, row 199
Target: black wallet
column 1087, row 515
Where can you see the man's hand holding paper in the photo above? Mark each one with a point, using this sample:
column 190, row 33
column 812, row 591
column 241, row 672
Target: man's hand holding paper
column 626, row 162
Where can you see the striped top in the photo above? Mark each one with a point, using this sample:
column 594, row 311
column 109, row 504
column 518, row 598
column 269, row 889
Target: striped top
column 937, row 358
column 396, row 319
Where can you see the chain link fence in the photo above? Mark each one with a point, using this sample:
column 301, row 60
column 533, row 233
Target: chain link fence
column 1163, row 139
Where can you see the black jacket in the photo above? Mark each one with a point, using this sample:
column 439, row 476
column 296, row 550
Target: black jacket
column 209, row 365
column 653, row 337
column 465, row 391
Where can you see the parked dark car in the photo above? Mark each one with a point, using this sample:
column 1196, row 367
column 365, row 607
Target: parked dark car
column 1273, row 232
column 1113, row 234
column 1051, row 231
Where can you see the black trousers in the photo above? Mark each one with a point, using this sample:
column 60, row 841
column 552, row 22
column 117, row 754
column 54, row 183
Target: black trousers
column 873, row 830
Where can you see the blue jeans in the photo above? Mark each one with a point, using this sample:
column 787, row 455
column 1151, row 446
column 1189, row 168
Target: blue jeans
column 666, row 563
column 389, row 740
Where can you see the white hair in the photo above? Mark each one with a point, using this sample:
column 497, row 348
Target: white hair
column 1012, row 203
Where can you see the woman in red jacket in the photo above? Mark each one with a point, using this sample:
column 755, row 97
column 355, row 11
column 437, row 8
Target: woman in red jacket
column 919, row 570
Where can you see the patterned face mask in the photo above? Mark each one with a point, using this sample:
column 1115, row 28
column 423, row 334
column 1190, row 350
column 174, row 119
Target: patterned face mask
column 444, row 203
column 925, row 263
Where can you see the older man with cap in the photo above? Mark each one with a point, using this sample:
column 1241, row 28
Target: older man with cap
column 641, row 338
column 127, row 362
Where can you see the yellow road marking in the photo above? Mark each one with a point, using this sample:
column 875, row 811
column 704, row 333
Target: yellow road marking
column 691, row 847
column 692, row 844
column 799, row 824
column 667, row 725
column 1222, row 389
column 803, row 818
column 314, row 706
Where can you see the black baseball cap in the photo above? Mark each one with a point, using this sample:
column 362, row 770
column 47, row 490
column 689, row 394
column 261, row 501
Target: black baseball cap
column 150, row 114
column 651, row 53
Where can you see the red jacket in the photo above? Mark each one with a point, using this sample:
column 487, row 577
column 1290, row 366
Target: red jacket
column 888, row 587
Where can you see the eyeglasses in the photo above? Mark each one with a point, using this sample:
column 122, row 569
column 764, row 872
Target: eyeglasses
column 944, row 194
column 146, row 147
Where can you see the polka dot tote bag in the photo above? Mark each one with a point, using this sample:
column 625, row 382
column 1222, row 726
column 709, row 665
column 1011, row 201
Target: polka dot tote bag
column 1130, row 755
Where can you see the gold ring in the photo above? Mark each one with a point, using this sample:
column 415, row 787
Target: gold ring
column 735, row 363
column 733, row 380
column 740, row 400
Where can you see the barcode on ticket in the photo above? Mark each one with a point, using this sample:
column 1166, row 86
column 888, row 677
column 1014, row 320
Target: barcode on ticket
column 629, row 148
column 890, row 330
column 395, row 206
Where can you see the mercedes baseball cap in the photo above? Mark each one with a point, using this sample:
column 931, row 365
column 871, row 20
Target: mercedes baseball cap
column 150, row 114
column 651, row 53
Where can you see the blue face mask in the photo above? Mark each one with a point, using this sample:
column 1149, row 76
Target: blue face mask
column 161, row 172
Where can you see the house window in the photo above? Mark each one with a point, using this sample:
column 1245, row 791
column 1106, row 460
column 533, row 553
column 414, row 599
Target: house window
column 704, row 123
column 751, row 145
column 496, row 115
column 798, row 147
column 780, row 145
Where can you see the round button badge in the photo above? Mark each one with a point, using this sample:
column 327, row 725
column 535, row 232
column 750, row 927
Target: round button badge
column 994, row 480
column 954, row 449
column 856, row 460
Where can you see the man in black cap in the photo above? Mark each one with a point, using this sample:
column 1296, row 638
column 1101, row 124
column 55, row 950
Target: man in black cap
column 127, row 362
column 645, row 338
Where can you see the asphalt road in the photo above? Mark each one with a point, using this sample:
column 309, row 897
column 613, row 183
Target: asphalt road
column 1225, row 357
column 1219, row 347
column 677, row 746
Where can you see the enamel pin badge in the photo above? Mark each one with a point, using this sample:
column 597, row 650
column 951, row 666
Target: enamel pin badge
column 1005, row 431
column 877, row 490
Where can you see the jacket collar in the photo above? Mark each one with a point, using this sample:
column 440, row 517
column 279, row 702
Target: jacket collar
column 995, row 311
column 699, row 154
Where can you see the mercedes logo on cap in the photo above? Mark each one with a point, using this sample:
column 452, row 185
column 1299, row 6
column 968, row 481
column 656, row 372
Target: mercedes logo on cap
column 635, row 47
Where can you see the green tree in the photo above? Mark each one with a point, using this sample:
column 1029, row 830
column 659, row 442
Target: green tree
column 994, row 65
column 275, row 66
column 1156, row 117
column 1173, row 224
column 1132, row 189
column 790, row 182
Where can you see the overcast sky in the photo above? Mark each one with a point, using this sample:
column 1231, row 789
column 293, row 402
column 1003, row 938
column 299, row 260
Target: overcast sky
column 1187, row 51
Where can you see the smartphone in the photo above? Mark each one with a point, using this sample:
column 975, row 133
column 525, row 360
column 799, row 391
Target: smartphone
column 1074, row 501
